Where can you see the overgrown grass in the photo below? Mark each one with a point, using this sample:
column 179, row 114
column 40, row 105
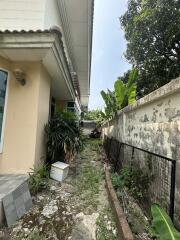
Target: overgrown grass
column 88, row 183
column 90, row 179
column 106, row 226
column 95, row 144
column 90, row 175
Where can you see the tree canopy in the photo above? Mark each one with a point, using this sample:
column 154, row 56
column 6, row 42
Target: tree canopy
column 152, row 30
column 96, row 115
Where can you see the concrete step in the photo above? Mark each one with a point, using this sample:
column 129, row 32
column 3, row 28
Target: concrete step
column 15, row 198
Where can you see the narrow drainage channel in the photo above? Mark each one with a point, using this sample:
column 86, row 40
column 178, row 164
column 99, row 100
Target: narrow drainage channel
column 77, row 209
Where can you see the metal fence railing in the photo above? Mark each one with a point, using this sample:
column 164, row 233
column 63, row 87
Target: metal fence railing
column 162, row 186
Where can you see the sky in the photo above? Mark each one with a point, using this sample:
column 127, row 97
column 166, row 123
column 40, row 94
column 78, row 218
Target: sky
column 109, row 44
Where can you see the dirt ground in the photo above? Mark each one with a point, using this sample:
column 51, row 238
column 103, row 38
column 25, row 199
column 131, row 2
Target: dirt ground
column 76, row 209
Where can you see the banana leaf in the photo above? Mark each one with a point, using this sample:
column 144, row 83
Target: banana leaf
column 120, row 92
column 132, row 94
column 163, row 225
column 132, row 78
column 105, row 97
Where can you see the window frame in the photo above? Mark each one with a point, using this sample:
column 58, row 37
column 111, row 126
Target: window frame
column 5, row 109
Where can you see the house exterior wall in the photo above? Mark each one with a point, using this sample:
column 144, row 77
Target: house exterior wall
column 153, row 124
column 29, row 14
column 24, row 14
column 24, row 118
column 73, row 18
column 43, row 114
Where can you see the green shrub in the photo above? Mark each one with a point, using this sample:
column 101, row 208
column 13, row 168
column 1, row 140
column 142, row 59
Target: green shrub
column 94, row 115
column 38, row 179
column 67, row 115
column 63, row 135
column 136, row 180
column 117, row 181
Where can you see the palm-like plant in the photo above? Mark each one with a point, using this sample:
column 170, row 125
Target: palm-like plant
column 63, row 136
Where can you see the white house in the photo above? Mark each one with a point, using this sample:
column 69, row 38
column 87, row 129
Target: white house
column 45, row 61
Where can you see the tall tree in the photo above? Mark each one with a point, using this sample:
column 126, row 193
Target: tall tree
column 152, row 30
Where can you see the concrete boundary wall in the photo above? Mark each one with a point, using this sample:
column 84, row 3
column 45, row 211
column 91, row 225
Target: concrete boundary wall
column 152, row 123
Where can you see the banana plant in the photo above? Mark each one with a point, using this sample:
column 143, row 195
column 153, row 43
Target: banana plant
column 125, row 93
column 162, row 224
column 110, row 102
